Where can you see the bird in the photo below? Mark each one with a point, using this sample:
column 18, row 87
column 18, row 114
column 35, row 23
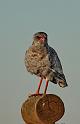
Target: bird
column 43, row 61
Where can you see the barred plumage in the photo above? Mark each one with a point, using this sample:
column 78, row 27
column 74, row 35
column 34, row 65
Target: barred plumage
column 42, row 60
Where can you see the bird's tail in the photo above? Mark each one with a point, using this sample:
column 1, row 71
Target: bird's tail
column 60, row 79
column 61, row 83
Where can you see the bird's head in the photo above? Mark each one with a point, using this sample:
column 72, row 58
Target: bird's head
column 40, row 38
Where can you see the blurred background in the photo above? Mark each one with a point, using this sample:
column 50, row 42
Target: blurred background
column 19, row 20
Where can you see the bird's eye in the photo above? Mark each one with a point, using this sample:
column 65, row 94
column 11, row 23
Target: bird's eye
column 38, row 37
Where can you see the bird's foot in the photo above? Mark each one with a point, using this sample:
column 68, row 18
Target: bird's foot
column 37, row 92
column 44, row 94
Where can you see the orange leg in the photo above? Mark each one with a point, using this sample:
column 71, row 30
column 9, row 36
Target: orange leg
column 37, row 92
column 46, row 86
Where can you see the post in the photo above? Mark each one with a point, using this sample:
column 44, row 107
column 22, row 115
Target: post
column 42, row 109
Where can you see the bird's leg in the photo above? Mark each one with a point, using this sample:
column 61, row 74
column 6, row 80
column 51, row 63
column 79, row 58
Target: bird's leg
column 37, row 92
column 46, row 86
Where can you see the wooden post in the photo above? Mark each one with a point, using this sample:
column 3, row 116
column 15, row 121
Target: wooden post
column 42, row 109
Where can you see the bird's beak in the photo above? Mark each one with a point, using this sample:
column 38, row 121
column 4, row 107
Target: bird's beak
column 42, row 39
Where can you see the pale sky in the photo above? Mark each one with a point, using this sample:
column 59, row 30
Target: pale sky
column 19, row 20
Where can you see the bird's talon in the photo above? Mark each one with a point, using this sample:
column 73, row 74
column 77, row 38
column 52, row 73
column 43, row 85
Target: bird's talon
column 37, row 93
column 44, row 94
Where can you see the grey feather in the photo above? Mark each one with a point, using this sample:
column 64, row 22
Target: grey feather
column 42, row 60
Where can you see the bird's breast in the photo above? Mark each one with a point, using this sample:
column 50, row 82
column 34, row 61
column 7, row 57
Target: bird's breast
column 37, row 62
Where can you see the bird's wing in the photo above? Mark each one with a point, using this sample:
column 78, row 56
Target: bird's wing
column 55, row 61
column 56, row 64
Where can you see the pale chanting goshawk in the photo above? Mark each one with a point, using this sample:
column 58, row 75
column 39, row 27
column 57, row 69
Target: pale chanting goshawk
column 42, row 60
